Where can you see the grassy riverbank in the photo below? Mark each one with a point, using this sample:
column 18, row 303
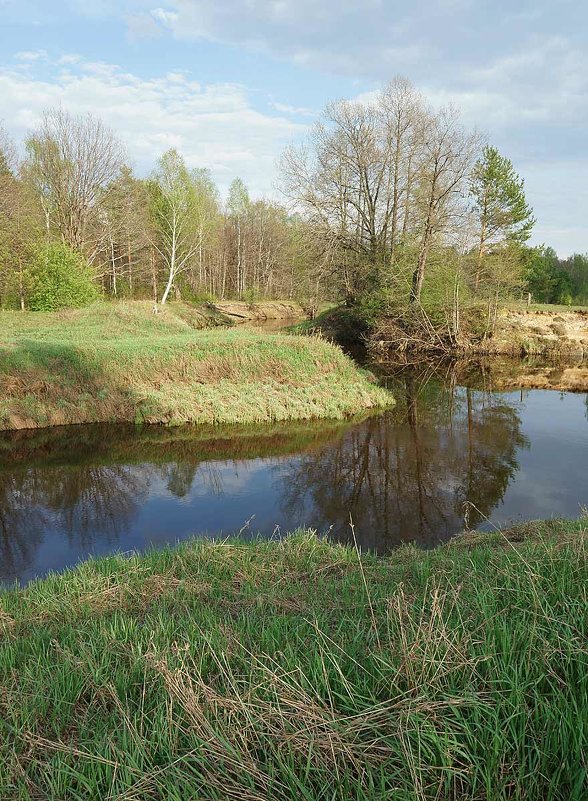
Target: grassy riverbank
column 294, row 671
column 120, row 362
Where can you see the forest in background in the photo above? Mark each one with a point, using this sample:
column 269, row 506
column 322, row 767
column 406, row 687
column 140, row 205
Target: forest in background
column 393, row 207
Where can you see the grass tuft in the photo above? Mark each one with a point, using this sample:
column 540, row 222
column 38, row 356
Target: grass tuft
column 303, row 670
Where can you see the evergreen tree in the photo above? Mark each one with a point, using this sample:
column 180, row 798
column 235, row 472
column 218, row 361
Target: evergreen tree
column 502, row 213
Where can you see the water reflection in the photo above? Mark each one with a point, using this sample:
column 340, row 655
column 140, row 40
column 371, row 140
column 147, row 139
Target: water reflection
column 408, row 474
column 70, row 492
column 405, row 475
column 22, row 521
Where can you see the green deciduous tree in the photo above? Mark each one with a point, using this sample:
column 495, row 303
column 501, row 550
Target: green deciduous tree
column 175, row 213
column 20, row 228
column 545, row 278
column 576, row 269
column 62, row 279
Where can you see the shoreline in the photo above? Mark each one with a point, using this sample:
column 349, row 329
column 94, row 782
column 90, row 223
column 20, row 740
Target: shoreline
column 555, row 334
column 120, row 363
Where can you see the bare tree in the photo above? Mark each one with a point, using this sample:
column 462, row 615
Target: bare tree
column 339, row 179
column 207, row 226
column 8, row 157
column 446, row 160
column 238, row 205
column 356, row 176
column 401, row 110
column 123, row 235
column 72, row 161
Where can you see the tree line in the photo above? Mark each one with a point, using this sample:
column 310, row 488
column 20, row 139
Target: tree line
column 551, row 279
column 73, row 214
column 388, row 203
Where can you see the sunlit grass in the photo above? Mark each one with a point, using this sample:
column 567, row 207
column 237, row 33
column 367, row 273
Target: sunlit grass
column 545, row 307
column 283, row 671
column 120, row 362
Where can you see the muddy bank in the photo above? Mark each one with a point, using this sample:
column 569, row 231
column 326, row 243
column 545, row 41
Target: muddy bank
column 555, row 335
column 239, row 311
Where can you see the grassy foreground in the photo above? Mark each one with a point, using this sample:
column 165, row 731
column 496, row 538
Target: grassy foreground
column 120, row 362
column 293, row 670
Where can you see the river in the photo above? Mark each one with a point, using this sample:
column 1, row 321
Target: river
column 447, row 453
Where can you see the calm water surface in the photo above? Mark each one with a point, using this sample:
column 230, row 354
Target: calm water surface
column 405, row 475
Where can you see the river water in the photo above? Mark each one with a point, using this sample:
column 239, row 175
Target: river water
column 454, row 445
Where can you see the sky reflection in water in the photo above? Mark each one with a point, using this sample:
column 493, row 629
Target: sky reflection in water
column 66, row 494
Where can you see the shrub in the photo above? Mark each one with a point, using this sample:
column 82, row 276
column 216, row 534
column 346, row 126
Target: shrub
column 62, row 279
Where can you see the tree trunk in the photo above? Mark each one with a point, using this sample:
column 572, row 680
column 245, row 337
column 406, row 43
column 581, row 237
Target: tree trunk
column 418, row 275
column 480, row 254
column 170, row 282
column 21, row 286
column 172, row 262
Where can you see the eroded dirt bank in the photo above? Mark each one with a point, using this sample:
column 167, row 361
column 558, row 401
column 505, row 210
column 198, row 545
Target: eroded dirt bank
column 555, row 335
column 539, row 332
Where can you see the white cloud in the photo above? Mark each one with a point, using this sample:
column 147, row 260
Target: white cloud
column 150, row 24
column 163, row 16
column 30, row 55
column 340, row 35
column 69, row 58
column 143, row 26
column 214, row 125
column 535, row 101
column 299, row 111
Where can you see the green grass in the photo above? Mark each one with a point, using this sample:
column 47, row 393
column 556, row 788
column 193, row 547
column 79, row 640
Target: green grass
column 546, row 307
column 119, row 362
column 293, row 670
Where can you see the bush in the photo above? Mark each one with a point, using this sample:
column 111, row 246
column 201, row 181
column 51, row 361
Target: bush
column 62, row 279
column 370, row 307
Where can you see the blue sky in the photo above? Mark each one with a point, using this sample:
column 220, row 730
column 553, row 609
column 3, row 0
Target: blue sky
column 231, row 83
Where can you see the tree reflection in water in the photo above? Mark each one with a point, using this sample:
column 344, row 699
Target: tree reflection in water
column 404, row 475
column 89, row 502
column 89, row 482
column 95, row 500
column 22, row 522
column 408, row 474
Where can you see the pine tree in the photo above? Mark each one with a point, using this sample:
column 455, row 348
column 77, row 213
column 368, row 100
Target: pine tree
column 500, row 206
